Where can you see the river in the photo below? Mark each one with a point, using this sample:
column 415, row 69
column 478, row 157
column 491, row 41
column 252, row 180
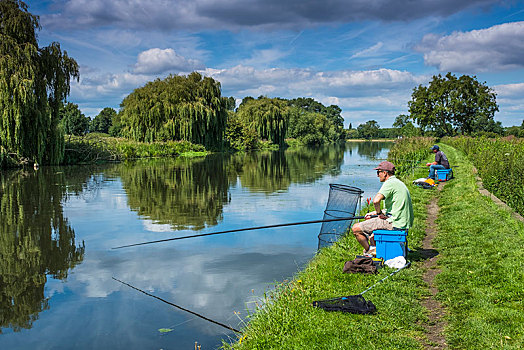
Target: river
column 58, row 226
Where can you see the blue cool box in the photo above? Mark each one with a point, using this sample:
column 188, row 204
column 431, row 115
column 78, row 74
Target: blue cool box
column 391, row 244
column 444, row 174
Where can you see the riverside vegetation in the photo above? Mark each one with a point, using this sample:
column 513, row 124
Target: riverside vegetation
column 480, row 285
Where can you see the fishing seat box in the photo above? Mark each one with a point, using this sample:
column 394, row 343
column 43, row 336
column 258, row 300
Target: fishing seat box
column 444, row 174
column 391, row 243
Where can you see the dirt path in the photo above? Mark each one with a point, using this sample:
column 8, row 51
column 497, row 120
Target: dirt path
column 436, row 324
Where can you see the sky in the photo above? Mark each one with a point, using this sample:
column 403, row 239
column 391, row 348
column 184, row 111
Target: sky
column 366, row 56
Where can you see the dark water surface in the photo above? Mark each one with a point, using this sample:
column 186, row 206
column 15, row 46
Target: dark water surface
column 58, row 225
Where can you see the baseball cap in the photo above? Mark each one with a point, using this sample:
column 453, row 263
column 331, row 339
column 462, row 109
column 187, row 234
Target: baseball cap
column 435, row 147
column 385, row 165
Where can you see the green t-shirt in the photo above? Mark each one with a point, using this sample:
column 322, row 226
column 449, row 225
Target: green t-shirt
column 398, row 202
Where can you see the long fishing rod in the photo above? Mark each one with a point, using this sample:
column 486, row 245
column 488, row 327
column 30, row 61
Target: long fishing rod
column 243, row 229
column 179, row 307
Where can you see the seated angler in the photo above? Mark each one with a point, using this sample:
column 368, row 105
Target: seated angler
column 398, row 207
column 441, row 162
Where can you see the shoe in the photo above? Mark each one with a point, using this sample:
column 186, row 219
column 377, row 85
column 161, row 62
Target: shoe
column 371, row 252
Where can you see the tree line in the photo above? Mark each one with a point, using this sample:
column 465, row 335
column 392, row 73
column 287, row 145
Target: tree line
column 35, row 115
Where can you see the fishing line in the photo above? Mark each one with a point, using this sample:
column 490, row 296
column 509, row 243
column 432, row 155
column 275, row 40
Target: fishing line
column 179, row 307
column 243, row 229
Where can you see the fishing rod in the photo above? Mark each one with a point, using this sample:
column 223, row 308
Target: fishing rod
column 244, row 229
column 179, row 307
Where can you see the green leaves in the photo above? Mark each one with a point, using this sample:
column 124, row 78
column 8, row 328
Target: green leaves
column 176, row 108
column 33, row 85
column 450, row 105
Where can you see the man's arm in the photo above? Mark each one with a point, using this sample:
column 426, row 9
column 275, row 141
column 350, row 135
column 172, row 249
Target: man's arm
column 376, row 203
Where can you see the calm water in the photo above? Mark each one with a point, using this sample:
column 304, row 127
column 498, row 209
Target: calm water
column 58, row 225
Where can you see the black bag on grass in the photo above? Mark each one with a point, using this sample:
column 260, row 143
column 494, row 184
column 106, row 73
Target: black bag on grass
column 355, row 304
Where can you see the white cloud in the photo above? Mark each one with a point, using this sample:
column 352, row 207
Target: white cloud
column 155, row 61
column 369, row 51
column 497, row 48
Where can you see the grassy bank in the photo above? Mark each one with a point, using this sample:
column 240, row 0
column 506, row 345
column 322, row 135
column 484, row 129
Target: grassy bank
column 481, row 283
column 101, row 147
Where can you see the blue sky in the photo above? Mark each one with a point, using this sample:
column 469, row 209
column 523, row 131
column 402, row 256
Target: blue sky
column 365, row 56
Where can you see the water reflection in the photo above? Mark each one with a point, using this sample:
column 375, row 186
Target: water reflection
column 111, row 204
column 35, row 241
column 191, row 193
column 371, row 149
column 185, row 193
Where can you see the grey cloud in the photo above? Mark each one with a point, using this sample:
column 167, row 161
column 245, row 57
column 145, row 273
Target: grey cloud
column 235, row 14
column 497, row 48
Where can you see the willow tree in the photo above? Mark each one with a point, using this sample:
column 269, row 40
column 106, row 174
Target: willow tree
column 33, row 85
column 269, row 117
column 186, row 108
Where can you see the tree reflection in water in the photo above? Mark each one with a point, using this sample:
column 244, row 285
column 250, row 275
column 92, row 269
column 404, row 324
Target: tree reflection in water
column 35, row 241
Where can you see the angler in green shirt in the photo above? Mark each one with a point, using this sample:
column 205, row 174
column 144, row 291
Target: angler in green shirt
column 398, row 212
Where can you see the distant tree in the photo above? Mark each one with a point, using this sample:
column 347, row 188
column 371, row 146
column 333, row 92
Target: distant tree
column 350, row 126
column 34, row 82
column 369, row 129
column 230, row 103
column 450, row 105
column 116, row 126
column 310, row 128
column 103, row 121
column 401, row 121
column 335, row 131
column 73, row 121
column 186, row 108
column 240, row 135
column 246, row 100
column 268, row 116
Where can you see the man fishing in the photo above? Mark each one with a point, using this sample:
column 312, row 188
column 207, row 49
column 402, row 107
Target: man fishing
column 398, row 208
column 441, row 162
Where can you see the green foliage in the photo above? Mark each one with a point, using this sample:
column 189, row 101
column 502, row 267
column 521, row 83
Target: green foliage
column 369, row 130
column 103, row 121
column 176, row 108
column 268, row 116
column 450, row 105
column 33, row 85
column 239, row 134
column 73, row 120
column 312, row 123
column 309, row 128
column 408, row 152
column 500, row 163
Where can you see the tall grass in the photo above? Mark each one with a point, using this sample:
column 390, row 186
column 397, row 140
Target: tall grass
column 408, row 153
column 500, row 163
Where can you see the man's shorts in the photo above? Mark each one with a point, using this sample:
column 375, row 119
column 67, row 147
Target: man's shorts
column 368, row 226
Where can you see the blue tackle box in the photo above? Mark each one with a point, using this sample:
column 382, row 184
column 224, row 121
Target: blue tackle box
column 444, row 174
column 391, row 243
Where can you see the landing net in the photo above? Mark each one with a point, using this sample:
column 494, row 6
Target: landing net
column 342, row 202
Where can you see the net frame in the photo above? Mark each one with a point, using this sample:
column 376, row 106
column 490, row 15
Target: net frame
column 342, row 202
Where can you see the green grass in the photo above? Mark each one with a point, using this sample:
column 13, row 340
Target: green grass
column 481, row 284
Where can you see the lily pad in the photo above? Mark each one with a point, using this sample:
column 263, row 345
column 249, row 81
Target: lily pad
column 165, row 330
